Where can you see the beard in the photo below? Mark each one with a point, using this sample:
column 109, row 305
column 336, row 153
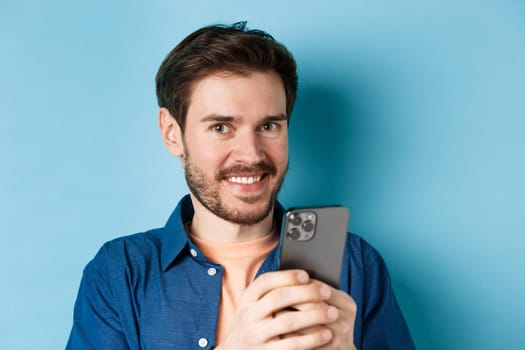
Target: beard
column 207, row 191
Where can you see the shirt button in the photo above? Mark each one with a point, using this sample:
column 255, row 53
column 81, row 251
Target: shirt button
column 203, row 342
column 193, row 252
column 212, row 271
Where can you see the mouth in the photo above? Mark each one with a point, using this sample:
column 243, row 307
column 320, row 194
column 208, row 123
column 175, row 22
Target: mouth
column 245, row 180
column 247, row 176
column 247, row 185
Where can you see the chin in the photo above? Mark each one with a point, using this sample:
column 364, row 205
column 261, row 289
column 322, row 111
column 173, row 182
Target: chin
column 248, row 212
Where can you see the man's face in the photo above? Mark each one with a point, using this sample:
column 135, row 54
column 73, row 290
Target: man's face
column 236, row 144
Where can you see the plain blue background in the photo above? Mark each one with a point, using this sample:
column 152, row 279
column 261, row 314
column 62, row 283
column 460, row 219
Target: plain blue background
column 411, row 113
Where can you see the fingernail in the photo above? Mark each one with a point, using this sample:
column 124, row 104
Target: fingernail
column 302, row 277
column 332, row 313
column 325, row 291
column 326, row 334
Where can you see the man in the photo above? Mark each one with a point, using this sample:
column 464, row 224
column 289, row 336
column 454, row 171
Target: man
column 209, row 278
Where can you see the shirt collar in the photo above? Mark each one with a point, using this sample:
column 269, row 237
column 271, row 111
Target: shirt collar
column 174, row 238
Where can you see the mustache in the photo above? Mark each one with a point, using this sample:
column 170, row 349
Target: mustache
column 261, row 167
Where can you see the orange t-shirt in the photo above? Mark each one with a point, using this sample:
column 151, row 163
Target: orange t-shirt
column 240, row 262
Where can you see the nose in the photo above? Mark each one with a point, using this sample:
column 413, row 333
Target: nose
column 248, row 148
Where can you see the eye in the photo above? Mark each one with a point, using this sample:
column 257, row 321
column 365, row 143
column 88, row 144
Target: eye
column 270, row 126
column 220, row 128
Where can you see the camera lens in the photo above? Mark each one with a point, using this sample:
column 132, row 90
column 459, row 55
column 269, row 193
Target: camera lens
column 308, row 226
column 293, row 234
column 296, row 220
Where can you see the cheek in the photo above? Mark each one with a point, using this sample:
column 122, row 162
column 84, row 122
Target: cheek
column 204, row 154
column 279, row 153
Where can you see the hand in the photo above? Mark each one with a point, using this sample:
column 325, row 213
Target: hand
column 343, row 327
column 260, row 321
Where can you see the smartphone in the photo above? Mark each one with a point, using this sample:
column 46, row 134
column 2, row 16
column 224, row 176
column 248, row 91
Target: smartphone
column 313, row 239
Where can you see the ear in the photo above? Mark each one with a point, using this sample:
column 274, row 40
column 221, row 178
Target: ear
column 171, row 133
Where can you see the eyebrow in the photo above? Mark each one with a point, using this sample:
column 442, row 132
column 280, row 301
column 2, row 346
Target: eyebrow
column 218, row 118
column 227, row 118
column 276, row 118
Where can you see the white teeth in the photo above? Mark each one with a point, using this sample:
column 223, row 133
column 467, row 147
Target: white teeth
column 244, row 180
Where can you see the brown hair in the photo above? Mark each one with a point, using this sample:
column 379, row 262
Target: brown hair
column 218, row 48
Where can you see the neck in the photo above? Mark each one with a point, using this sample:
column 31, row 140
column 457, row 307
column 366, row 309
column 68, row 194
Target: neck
column 212, row 228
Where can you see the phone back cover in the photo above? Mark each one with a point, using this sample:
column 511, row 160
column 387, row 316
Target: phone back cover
column 322, row 255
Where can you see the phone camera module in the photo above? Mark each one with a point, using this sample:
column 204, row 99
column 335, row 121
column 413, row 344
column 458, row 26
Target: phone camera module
column 293, row 234
column 301, row 225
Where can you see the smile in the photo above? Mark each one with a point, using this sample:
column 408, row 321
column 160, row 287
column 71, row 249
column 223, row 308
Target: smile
column 245, row 180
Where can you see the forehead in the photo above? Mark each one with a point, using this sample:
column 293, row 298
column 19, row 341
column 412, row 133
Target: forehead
column 226, row 93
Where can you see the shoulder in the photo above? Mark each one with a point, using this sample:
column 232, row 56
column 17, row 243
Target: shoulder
column 128, row 250
column 362, row 251
column 380, row 323
column 364, row 266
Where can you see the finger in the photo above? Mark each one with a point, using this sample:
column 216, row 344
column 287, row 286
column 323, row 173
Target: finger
column 304, row 331
column 273, row 280
column 309, row 306
column 327, row 290
column 340, row 299
column 311, row 340
column 286, row 297
column 343, row 302
column 289, row 322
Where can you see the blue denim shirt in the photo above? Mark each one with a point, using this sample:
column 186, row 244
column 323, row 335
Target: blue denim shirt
column 156, row 290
